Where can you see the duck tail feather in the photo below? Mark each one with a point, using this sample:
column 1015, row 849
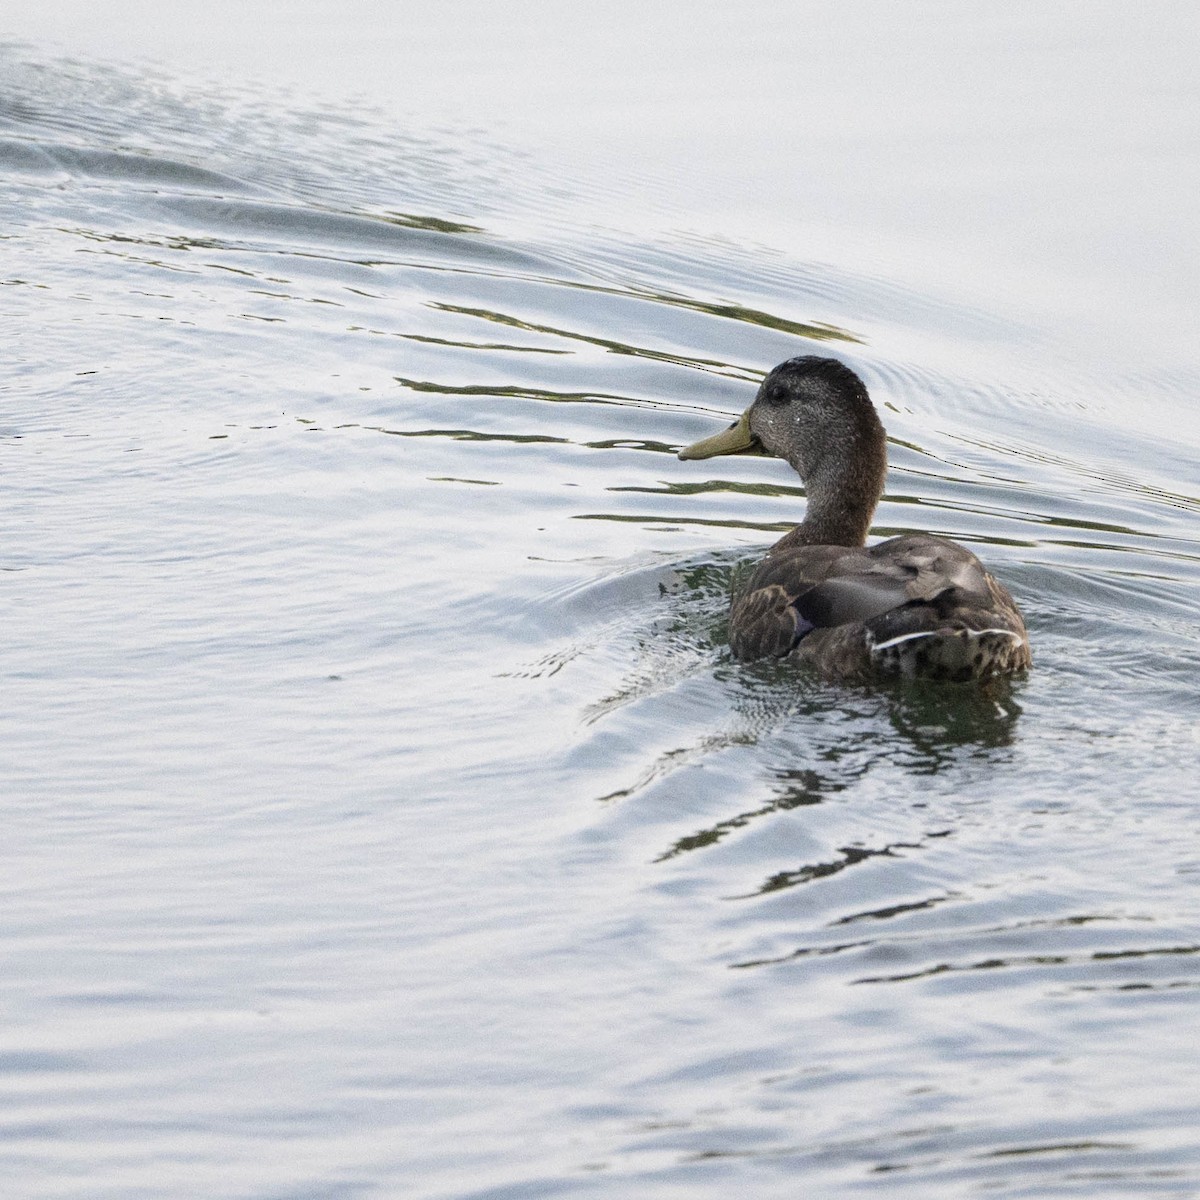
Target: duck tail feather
column 918, row 643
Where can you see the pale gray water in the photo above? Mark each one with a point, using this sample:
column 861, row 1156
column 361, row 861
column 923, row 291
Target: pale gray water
column 384, row 815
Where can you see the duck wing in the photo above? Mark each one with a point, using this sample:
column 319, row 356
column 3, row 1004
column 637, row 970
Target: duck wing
column 798, row 589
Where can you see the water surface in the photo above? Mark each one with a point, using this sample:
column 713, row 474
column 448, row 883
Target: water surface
column 386, row 816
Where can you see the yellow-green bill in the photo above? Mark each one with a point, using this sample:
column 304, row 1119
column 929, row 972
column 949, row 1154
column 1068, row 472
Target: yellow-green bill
column 737, row 439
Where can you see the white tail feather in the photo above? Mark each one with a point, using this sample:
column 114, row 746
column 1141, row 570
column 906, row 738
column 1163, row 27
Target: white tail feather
column 941, row 634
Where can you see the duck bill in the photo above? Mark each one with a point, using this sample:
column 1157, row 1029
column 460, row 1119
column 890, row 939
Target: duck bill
column 737, row 439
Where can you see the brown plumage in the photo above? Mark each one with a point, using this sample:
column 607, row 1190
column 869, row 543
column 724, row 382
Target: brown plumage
column 915, row 605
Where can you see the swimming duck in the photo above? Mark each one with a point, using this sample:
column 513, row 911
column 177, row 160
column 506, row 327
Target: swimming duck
column 916, row 606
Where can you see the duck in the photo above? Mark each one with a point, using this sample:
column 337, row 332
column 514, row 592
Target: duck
column 917, row 606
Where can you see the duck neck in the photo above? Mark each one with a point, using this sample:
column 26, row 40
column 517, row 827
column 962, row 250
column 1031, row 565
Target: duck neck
column 841, row 504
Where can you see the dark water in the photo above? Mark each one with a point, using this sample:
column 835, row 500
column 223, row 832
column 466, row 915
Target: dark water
column 384, row 814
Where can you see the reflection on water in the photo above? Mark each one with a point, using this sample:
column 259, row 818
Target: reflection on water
column 733, row 312
column 372, row 712
column 937, row 722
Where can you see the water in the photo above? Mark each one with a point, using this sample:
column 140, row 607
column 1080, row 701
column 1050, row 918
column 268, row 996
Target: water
column 385, row 816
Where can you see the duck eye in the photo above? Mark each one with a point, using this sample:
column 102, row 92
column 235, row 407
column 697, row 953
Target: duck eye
column 776, row 395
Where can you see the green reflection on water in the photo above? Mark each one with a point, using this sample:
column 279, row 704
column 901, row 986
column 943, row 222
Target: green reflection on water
column 434, row 224
column 731, row 311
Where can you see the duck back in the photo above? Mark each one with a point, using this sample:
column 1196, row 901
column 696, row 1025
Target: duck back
column 916, row 606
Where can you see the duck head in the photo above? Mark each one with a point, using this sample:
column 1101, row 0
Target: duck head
column 815, row 413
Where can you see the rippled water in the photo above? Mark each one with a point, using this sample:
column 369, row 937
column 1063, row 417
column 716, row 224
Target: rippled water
column 385, row 815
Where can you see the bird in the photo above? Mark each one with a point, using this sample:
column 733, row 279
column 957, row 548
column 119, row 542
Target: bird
column 917, row 606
